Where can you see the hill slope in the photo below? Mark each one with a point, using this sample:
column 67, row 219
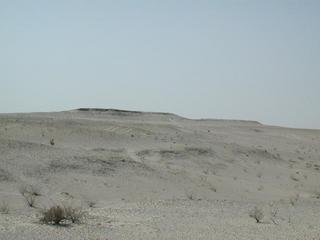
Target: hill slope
column 159, row 170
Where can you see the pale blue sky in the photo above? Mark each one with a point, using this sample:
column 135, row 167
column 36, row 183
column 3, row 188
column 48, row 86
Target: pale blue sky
column 256, row 60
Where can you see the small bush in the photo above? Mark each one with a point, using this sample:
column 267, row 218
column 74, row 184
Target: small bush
column 35, row 190
column 4, row 207
column 257, row 214
column 294, row 199
column 317, row 195
column 23, row 189
column 30, row 192
column 5, row 175
column 75, row 215
column 274, row 215
column 30, row 189
column 58, row 215
column 91, row 204
column 53, row 215
column 190, row 196
column 294, row 178
column 52, row 141
column 30, row 200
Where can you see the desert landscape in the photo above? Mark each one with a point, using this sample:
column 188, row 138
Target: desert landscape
column 145, row 175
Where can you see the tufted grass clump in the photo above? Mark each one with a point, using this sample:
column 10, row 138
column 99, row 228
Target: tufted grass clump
column 257, row 214
column 62, row 215
column 29, row 193
column 4, row 207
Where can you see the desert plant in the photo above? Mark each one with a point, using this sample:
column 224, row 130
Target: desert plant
column 30, row 200
column 23, row 189
column 30, row 189
column 294, row 178
column 257, row 214
column 75, row 215
column 4, row 207
column 190, row 196
column 91, row 203
column 274, row 215
column 52, row 141
column 293, row 200
column 29, row 192
column 260, row 188
column 4, row 175
column 57, row 215
column 35, row 190
column 53, row 215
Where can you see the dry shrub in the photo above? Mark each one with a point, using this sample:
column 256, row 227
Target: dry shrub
column 5, row 175
column 257, row 214
column 294, row 199
column 58, row 215
column 30, row 192
column 31, row 200
column 294, row 178
column 53, row 215
column 35, row 190
column 75, row 215
column 4, row 207
column 91, row 203
column 190, row 196
column 30, row 189
column 274, row 215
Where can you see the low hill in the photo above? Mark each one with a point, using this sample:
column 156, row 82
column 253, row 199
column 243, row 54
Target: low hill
column 146, row 175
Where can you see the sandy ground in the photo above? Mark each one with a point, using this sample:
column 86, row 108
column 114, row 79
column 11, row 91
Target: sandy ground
column 158, row 176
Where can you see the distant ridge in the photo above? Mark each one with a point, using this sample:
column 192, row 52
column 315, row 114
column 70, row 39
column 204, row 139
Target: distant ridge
column 120, row 111
column 230, row 120
column 100, row 112
column 106, row 110
column 125, row 112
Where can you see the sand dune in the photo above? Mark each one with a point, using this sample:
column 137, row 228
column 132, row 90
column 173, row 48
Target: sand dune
column 143, row 175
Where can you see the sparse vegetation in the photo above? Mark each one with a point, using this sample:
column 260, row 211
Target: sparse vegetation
column 293, row 200
column 30, row 200
column 52, row 141
column 53, row 215
column 260, row 188
column 317, row 195
column 294, row 178
column 58, row 215
column 190, row 196
column 193, row 196
column 274, row 215
column 4, row 207
column 30, row 189
column 213, row 188
column 4, row 175
column 75, row 215
column 257, row 214
column 91, row 203
column 30, row 192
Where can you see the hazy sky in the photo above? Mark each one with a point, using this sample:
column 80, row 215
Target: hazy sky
column 256, row 60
